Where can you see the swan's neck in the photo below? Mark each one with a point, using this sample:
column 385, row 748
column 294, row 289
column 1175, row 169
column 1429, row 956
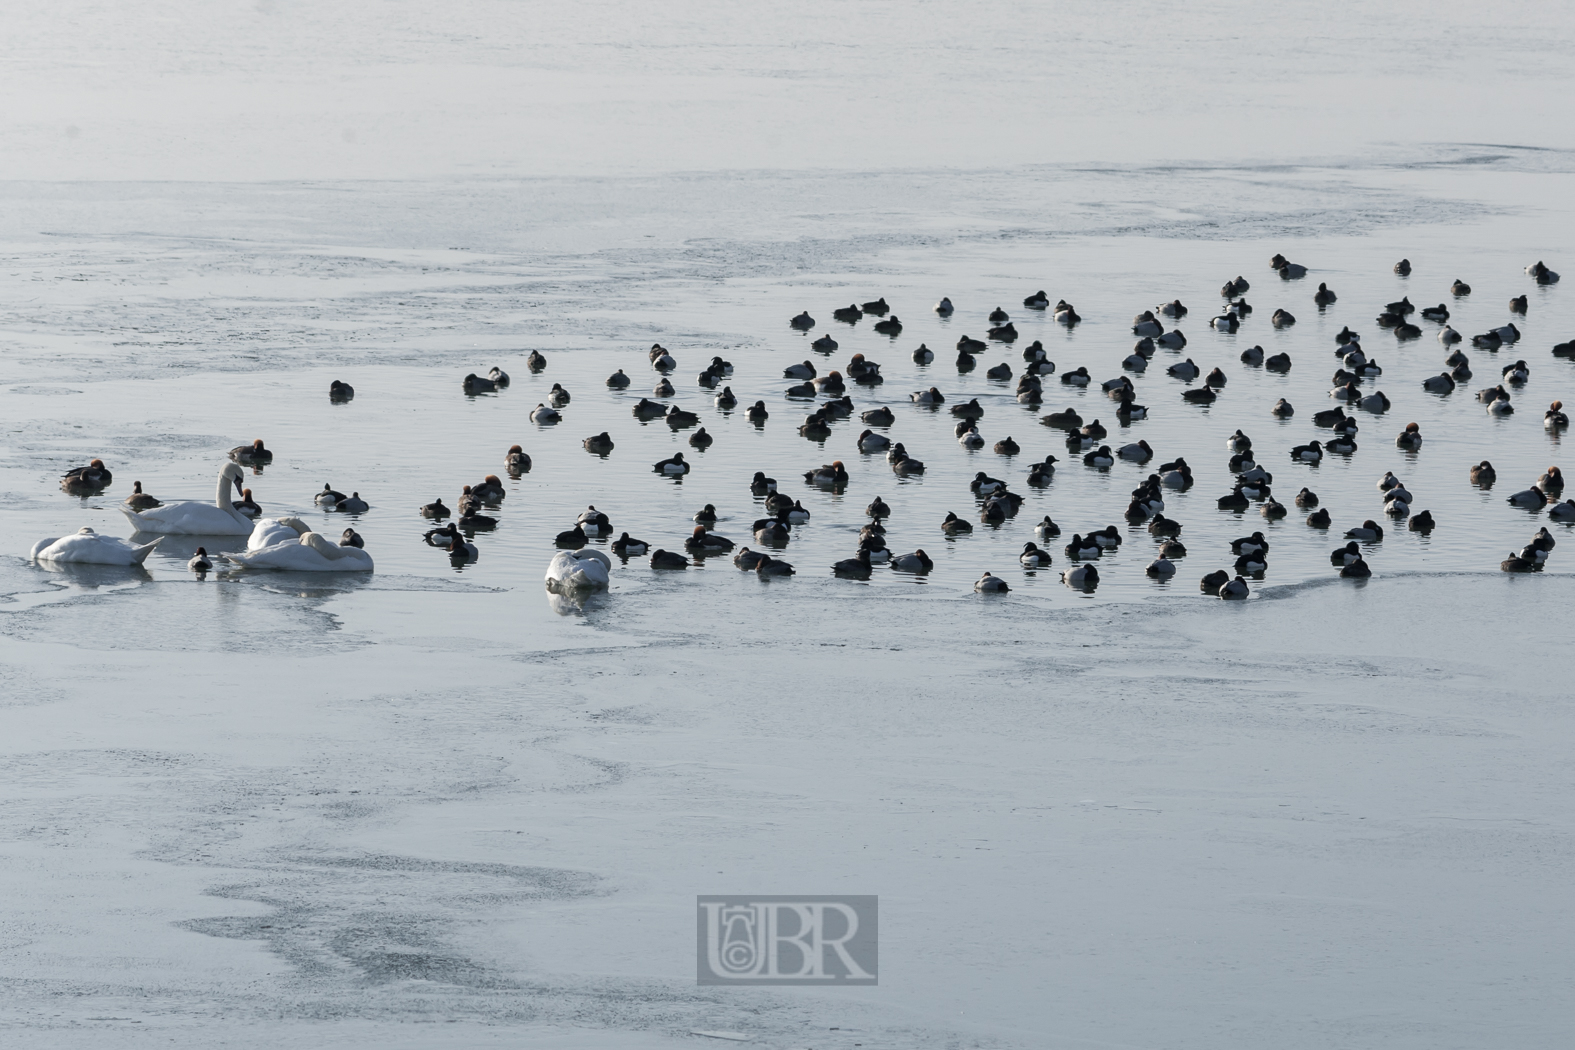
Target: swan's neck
column 222, row 498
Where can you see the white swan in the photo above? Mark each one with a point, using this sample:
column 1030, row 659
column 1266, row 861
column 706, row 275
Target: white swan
column 193, row 518
column 581, row 570
column 86, row 547
column 289, row 543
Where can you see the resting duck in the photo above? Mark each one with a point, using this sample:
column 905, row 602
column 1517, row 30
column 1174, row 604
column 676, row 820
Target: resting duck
column 857, row 568
column 338, row 391
column 199, row 561
column 91, row 478
column 1282, row 319
column 542, row 415
column 329, row 497
column 1422, row 522
column 700, row 439
column 661, row 559
column 1551, row 483
column 803, row 322
column 757, row 413
column 1323, row 296
column 1212, row 583
column 766, row 565
column 535, row 361
column 1319, row 519
column 618, row 381
column 598, row 444
column 1081, row 577
column 1235, row 590
column 663, row 388
column 833, row 473
column 1357, row 570
column 1410, row 438
column 1080, row 549
column 677, row 417
column 931, row 396
column 1368, row 531
column 988, row 584
column 1282, row 409
column 1139, row 452
column 435, row 509
column 474, row 384
column 673, row 467
column 251, row 454
column 953, row 525
column 701, row 542
column 1041, row 474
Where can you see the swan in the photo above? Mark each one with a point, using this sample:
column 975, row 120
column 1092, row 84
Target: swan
column 193, row 518
column 289, row 543
column 581, row 570
column 86, row 547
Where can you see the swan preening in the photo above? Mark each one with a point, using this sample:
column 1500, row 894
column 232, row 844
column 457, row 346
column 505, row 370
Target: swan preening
column 581, row 570
column 86, row 547
column 193, row 518
column 290, row 544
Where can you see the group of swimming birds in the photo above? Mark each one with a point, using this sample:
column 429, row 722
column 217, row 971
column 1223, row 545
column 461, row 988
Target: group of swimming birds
column 289, row 543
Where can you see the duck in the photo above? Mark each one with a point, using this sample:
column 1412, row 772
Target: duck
column 1283, row 409
column 833, row 473
column 435, row 509
column 803, row 370
column 139, row 500
column 1253, row 356
column 1225, row 323
column 90, row 479
column 748, row 560
column 1448, row 336
column 1552, row 482
column 1403, row 267
column 1312, row 452
column 1368, row 531
column 856, row 568
column 931, row 396
column 1067, row 420
column 1483, row 474
column 1212, row 583
column 251, row 454
column 1273, row 509
column 1252, row 564
column 970, row 438
column 1517, row 563
column 1005, row 333
column 1356, row 570
column 581, row 570
column 1100, row 458
column 1064, row 314
column 700, row 439
column 825, row 345
column 797, row 514
column 953, row 525
column 340, row 392
column 1138, row 452
column 490, row 490
column 892, row 326
column 1146, row 325
column 246, row 505
column 352, row 504
column 661, row 559
column 1324, row 296
column 1184, row 370
column 902, row 463
column 1236, row 287
column 474, row 384
column 1459, row 287
column 1422, row 522
column 672, row 467
column 969, row 410
column 803, row 322
column 1319, row 519
column 1202, row 395
column 1516, row 373
column 195, row 518
column 1077, row 377
column 1410, row 438
column 765, row 565
column 1083, row 549
column 593, row 520
column 1541, row 274
column 646, row 409
column 618, row 381
column 472, row 521
column 200, row 561
column 1174, row 339
column 1235, row 590
column 1443, row 383
column 86, row 547
column 701, row 542
column 678, row 418
column 542, row 415
column 1041, row 474
column 1001, row 372
column 757, row 413
column 572, row 539
column 1236, row 500
column 773, row 532
column 1081, row 577
column 1282, row 319
column 1178, row 476
column 923, row 355
column 1033, row 557
column 1406, row 330
column 663, row 388
column 1038, row 301
column 1375, row 402
column 944, row 307
column 535, row 361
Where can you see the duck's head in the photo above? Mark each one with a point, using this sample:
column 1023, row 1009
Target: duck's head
column 202, row 552
column 257, row 445
column 515, row 448
column 136, row 488
column 96, row 464
column 492, row 479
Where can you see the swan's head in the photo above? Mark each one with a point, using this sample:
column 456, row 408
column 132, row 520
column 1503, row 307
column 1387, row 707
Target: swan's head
column 234, row 473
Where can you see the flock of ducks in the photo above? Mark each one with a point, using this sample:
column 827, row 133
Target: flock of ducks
column 577, row 567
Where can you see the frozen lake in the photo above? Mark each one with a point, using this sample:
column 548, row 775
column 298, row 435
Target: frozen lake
column 432, row 807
